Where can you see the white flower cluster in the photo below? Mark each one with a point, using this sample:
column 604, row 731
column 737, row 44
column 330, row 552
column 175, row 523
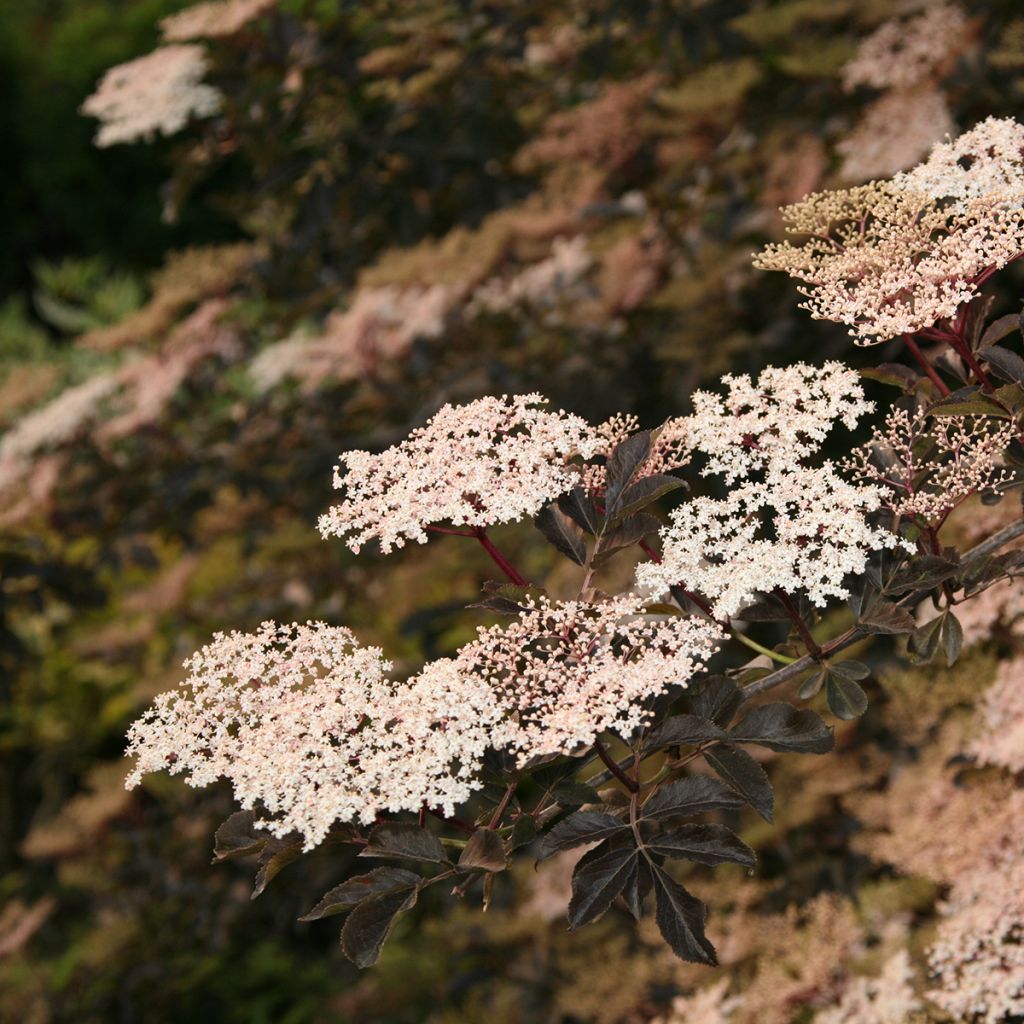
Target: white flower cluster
column 888, row 998
column 306, row 726
column 927, row 467
column 491, row 461
column 564, row 673
column 155, row 93
column 212, row 19
column 784, row 524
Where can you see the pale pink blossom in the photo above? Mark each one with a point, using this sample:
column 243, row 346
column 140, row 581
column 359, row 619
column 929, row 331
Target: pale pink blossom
column 212, row 19
column 308, row 728
column 565, row 673
column 157, row 93
column 495, row 460
column 1001, row 742
column 888, row 998
column 926, row 466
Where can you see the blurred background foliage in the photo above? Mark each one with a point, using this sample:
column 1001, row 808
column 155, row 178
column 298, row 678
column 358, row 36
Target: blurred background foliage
column 402, row 204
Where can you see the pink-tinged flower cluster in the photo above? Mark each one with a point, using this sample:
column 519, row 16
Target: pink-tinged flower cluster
column 782, row 417
column 783, row 524
column 902, row 53
column 927, row 466
column 900, row 256
column 670, row 447
column 151, row 94
column 977, row 960
column 1001, row 742
column 308, row 728
column 894, row 133
column 491, row 461
column 212, row 19
column 888, row 998
column 565, row 673
column 985, row 163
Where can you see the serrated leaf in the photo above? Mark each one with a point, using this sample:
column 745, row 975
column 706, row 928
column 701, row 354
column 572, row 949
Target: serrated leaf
column 922, row 573
column 1005, row 364
column 999, row 329
column 682, row 730
column 951, row 637
column 680, row 918
column 846, row 699
column 277, row 854
column 574, row 794
column 238, row 836
column 924, row 641
column 692, row 795
column 600, row 875
column 580, row 508
column 623, row 463
column 744, row 775
column 368, row 926
column 637, row 886
column 895, row 374
column 577, row 830
column 703, row 844
column 629, row 532
column 562, row 533
column 642, row 493
column 396, row 839
column 484, row 850
column 812, row 685
column 969, row 401
column 887, row 618
column 784, row 728
column 1010, row 396
column 524, row 830
column 718, row 699
column 353, row 891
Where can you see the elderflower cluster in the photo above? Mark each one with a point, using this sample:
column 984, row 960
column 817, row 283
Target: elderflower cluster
column 783, row 525
column 307, row 727
column 977, row 960
column 212, row 19
column 1001, row 742
column 926, row 467
column 888, row 998
column 782, row 417
column 155, row 93
column 494, row 460
column 900, row 54
column 887, row 260
column 564, row 673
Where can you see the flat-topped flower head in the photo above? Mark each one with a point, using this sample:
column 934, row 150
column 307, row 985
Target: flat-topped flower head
column 801, row 530
column 886, row 260
column 151, row 94
column 986, row 162
column 212, row 19
column 307, row 727
column 565, row 673
column 783, row 416
column 926, row 467
column 491, row 461
column 902, row 53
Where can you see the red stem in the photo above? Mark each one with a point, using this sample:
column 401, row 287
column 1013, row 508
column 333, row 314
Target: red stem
column 801, row 627
column 499, row 559
column 609, row 762
column 921, row 361
column 961, row 347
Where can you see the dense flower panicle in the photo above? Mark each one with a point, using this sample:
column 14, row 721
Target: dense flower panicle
column 212, row 19
column 885, row 260
column 804, row 529
column 307, row 727
column 977, row 960
column 155, row 93
column 782, row 417
column 491, row 461
column 986, row 162
column 670, row 447
column 894, row 133
column 565, row 673
column 1001, row 742
column 888, row 998
column 926, row 467
column 901, row 53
